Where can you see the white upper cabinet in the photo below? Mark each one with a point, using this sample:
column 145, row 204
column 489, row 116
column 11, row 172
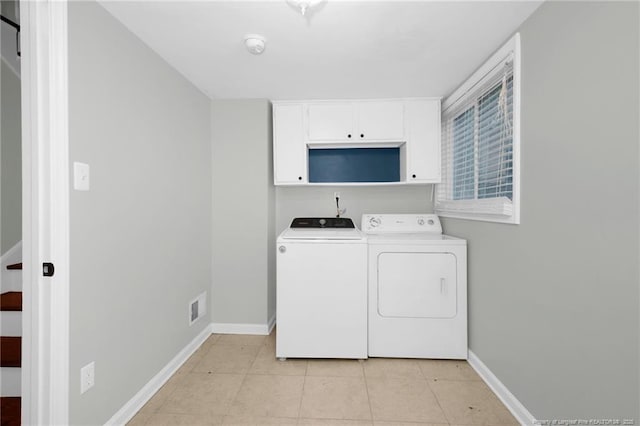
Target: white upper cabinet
column 381, row 120
column 330, row 121
column 346, row 121
column 289, row 148
column 423, row 141
column 410, row 126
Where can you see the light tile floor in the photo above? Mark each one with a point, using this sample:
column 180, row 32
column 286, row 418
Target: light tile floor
column 236, row 380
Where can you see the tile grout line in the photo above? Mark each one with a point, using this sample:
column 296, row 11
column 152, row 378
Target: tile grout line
column 304, row 382
column 244, row 378
column 435, row 395
column 366, row 388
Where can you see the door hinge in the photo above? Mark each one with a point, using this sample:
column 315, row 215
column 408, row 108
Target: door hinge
column 48, row 269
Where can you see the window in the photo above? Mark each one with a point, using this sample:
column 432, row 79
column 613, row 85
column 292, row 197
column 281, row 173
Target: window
column 480, row 143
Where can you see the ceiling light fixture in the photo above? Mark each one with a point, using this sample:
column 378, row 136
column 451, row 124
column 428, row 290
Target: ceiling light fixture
column 303, row 5
column 255, row 43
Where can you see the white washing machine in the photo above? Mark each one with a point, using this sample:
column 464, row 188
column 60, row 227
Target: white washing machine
column 417, row 288
column 321, row 291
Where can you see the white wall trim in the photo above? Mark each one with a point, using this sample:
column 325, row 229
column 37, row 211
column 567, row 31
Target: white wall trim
column 130, row 409
column 45, row 212
column 233, row 328
column 512, row 403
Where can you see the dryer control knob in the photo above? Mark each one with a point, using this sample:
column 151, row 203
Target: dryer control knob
column 420, row 221
column 374, row 222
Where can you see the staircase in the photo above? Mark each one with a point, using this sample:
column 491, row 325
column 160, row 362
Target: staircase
column 10, row 352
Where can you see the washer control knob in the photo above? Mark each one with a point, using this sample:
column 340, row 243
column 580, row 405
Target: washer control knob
column 322, row 222
column 282, row 249
column 374, row 222
column 420, row 221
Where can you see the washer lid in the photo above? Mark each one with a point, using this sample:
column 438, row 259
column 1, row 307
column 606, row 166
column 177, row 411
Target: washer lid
column 322, row 234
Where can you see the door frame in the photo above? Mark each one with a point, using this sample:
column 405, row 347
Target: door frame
column 45, row 212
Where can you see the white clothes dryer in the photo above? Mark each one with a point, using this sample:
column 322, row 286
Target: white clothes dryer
column 417, row 285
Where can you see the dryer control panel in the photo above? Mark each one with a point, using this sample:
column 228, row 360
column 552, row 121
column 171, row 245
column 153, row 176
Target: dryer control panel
column 401, row 224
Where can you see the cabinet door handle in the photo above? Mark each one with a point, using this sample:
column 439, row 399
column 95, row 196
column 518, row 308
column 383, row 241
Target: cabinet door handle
column 413, row 176
column 349, row 136
column 362, row 135
column 299, row 177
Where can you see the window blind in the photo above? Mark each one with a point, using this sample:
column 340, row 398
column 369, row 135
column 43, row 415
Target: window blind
column 477, row 151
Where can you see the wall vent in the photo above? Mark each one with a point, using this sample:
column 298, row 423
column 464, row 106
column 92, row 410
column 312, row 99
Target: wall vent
column 197, row 308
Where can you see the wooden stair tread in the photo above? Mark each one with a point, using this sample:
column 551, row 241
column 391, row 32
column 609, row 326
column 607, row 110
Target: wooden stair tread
column 15, row 266
column 11, row 301
column 10, row 410
column 10, row 351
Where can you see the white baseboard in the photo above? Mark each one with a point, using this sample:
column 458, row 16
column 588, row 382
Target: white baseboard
column 518, row 410
column 233, row 328
column 129, row 410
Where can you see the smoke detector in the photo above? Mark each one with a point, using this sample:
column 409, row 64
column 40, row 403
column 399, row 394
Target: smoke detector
column 255, row 43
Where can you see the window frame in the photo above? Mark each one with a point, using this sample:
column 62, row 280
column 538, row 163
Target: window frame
column 476, row 209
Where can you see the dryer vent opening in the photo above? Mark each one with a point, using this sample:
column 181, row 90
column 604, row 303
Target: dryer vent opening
column 197, row 308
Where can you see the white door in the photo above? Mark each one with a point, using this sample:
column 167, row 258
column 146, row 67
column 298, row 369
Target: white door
column 331, row 121
column 290, row 151
column 380, row 120
column 417, row 285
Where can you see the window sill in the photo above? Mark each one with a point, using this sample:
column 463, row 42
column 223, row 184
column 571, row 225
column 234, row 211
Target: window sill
column 511, row 220
column 500, row 210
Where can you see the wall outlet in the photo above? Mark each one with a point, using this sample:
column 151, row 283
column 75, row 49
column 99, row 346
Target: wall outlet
column 197, row 308
column 87, row 377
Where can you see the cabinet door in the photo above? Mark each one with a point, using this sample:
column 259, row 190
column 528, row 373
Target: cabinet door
column 331, row 121
column 289, row 148
column 380, row 120
column 423, row 141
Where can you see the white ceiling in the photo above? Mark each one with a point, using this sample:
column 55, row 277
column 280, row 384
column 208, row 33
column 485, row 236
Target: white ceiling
column 341, row 49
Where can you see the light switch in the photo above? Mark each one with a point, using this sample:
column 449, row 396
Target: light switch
column 80, row 176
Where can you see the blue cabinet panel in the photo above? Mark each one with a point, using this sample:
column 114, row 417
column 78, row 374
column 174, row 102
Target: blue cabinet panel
column 354, row 165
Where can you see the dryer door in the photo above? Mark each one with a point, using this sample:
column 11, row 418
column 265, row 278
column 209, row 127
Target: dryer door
column 417, row 285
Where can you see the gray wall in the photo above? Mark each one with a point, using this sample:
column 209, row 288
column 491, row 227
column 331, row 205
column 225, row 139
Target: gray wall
column 553, row 302
column 319, row 201
column 11, row 157
column 243, row 212
column 140, row 238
